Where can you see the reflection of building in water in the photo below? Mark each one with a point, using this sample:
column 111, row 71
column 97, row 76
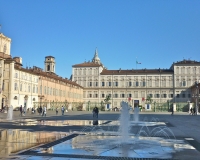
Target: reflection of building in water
column 71, row 122
column 12, row 141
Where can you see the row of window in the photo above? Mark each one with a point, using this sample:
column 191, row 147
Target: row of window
column 188, row 70
column 136, row 95
column 84, row 72
column 129, row 84
column 140, row 84
column 25, row 77
column 47, row 90
column 26, row 88
column 58, row 92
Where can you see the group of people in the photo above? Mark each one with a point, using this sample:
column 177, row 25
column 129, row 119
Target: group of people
column 192, row 111
column 41, row 110
column 62, row 110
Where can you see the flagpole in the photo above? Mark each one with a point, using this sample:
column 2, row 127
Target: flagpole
column 136, row 62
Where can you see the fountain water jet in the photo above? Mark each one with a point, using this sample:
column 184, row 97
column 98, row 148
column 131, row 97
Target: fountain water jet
column 136, row 114
column 124, row 122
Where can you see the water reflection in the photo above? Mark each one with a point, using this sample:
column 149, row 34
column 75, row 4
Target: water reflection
column 63, row 123
column 15, row 140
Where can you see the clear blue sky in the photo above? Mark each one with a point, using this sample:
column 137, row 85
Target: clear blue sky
column 157, row 32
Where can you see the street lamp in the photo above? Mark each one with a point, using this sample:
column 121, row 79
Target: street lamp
column 188, row 105
column 88, row 105
column 40, row 101
column 154, row 106
column 196, row 96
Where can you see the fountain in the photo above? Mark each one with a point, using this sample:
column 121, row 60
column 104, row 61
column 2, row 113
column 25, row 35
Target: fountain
column 10, row 113
column 136, row 114
column 128, row 141
column 124, row 122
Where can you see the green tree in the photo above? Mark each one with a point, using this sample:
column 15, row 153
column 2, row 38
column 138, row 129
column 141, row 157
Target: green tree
column 149, row 99
column 107, row 99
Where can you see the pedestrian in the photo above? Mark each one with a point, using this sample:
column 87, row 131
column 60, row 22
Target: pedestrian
column 194, row 111
column 191, row 111
column 62, row 110
column 24, row 110
column 95, row 112
column 40, row 110
column 172, row 110
column 33, row 110
column 21, row 110
column 44, row 111
column 56, row 111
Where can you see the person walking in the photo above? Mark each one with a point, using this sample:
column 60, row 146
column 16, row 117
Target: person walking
column 191, row 111
column 172, row 110
column 21, row 110
column 194, row 111
column 95, row 112
column 63, row 110
column 24, row 110
column 56, row 111
column 45, row 111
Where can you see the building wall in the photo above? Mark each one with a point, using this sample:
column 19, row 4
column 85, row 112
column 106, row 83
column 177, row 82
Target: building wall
column 174, row 87
column 55, row 90
column 25, row 86
column 25, row 89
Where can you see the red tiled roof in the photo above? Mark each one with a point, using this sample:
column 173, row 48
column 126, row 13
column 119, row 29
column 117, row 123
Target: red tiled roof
column 137, row 71
column 38, row 71
column 87, row 64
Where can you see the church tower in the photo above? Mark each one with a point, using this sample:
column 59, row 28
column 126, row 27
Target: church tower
column 49, row 64
column 5, row 44
column 96, row 59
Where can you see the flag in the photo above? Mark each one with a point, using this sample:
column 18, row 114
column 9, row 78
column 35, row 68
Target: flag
column 138, row 62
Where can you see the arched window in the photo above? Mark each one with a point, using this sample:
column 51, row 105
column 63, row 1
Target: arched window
column 48, row 67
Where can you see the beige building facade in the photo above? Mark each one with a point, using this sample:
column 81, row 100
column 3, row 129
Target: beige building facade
column 33, row 86
column 135, row 85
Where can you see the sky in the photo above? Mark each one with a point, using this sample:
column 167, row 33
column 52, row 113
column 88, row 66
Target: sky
column 155, row 33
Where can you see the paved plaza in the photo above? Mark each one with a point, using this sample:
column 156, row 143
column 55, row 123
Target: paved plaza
column 183, row 126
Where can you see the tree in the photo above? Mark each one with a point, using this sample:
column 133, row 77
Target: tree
column 149, row 99
column 107, row 99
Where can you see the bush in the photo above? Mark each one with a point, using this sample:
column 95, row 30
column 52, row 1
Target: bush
column 79, row 108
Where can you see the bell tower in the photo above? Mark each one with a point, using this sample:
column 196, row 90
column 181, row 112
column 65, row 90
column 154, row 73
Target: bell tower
column 5, row 44
column 49, row 64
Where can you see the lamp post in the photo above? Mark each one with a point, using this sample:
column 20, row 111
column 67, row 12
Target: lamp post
column 88, row 105
column 196, row 96
column 154, row 106
column 188, row 105
column 40, row 101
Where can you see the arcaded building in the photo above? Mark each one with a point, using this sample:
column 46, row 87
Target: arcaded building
column 34, row 86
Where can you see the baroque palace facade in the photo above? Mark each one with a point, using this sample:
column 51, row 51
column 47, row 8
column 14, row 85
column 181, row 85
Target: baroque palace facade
column 162, row 85
column 32, row 87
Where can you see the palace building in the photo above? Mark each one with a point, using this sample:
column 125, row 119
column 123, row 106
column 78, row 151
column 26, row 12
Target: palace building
column 33, row 87
column 136, row 85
